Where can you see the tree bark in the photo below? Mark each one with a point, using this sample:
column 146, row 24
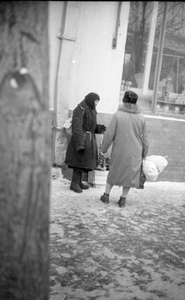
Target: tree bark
column 25, row 150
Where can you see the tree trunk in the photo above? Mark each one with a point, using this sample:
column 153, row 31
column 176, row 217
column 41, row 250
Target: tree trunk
column 25, row 150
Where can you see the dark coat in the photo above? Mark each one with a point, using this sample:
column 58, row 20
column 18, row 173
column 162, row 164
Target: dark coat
column 84, row 127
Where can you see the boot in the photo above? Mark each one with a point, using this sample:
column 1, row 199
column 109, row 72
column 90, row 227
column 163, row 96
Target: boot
column 105, row 198
column 122, row 202
column 83, row 186
column 75, row 182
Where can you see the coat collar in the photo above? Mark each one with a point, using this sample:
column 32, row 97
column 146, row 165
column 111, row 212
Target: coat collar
column 129, row 107
column 83, row 105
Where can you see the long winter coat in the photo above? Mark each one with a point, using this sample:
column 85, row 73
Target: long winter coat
column 84, row 127
column 128, row 135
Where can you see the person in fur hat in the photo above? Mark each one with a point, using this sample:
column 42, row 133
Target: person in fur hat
column 128, row 135
column 82, row 151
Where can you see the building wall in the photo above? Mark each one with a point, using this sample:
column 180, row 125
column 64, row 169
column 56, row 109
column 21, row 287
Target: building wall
column 96, row 66
column 166, row 138
column 55, row 13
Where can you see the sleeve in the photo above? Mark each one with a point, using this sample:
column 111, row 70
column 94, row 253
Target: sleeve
column 77, row 128
column 145, row 140
column 109, row 134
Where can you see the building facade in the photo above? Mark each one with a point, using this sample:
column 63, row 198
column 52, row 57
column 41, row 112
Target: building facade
column 109, row 47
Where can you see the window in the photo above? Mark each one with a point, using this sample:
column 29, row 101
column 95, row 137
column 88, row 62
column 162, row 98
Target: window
column 142, row 45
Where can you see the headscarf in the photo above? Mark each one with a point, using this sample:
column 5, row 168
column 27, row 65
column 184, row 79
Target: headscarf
column 90, row 99
column 130, row 97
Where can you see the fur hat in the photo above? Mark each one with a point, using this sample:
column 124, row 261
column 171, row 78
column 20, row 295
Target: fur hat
column 130, row 97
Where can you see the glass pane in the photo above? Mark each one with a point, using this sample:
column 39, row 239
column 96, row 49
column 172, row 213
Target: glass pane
column 156, row 44
column 172, row 77
column 140, row 60
column 136, row 43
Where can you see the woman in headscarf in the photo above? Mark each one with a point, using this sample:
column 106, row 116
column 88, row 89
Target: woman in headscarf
column 82, row 152
column 128, row 135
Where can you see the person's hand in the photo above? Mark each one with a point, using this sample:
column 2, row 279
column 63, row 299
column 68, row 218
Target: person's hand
column 103, row 128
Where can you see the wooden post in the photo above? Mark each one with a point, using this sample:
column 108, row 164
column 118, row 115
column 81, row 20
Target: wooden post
column 25, row 152
column 24, row 190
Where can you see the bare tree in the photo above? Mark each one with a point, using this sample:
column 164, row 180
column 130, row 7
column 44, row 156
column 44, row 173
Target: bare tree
column 24, row 151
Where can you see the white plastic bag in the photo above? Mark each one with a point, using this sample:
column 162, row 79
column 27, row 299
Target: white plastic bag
column 153, row 165
column 68, row 126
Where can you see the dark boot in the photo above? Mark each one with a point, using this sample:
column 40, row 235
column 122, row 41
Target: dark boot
column 83, row 186
column 105, row 198
column 122, row 202
column 75, row 182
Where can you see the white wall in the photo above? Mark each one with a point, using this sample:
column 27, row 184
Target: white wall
column 89, row 63
column 96, row 66
column 55, row 21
